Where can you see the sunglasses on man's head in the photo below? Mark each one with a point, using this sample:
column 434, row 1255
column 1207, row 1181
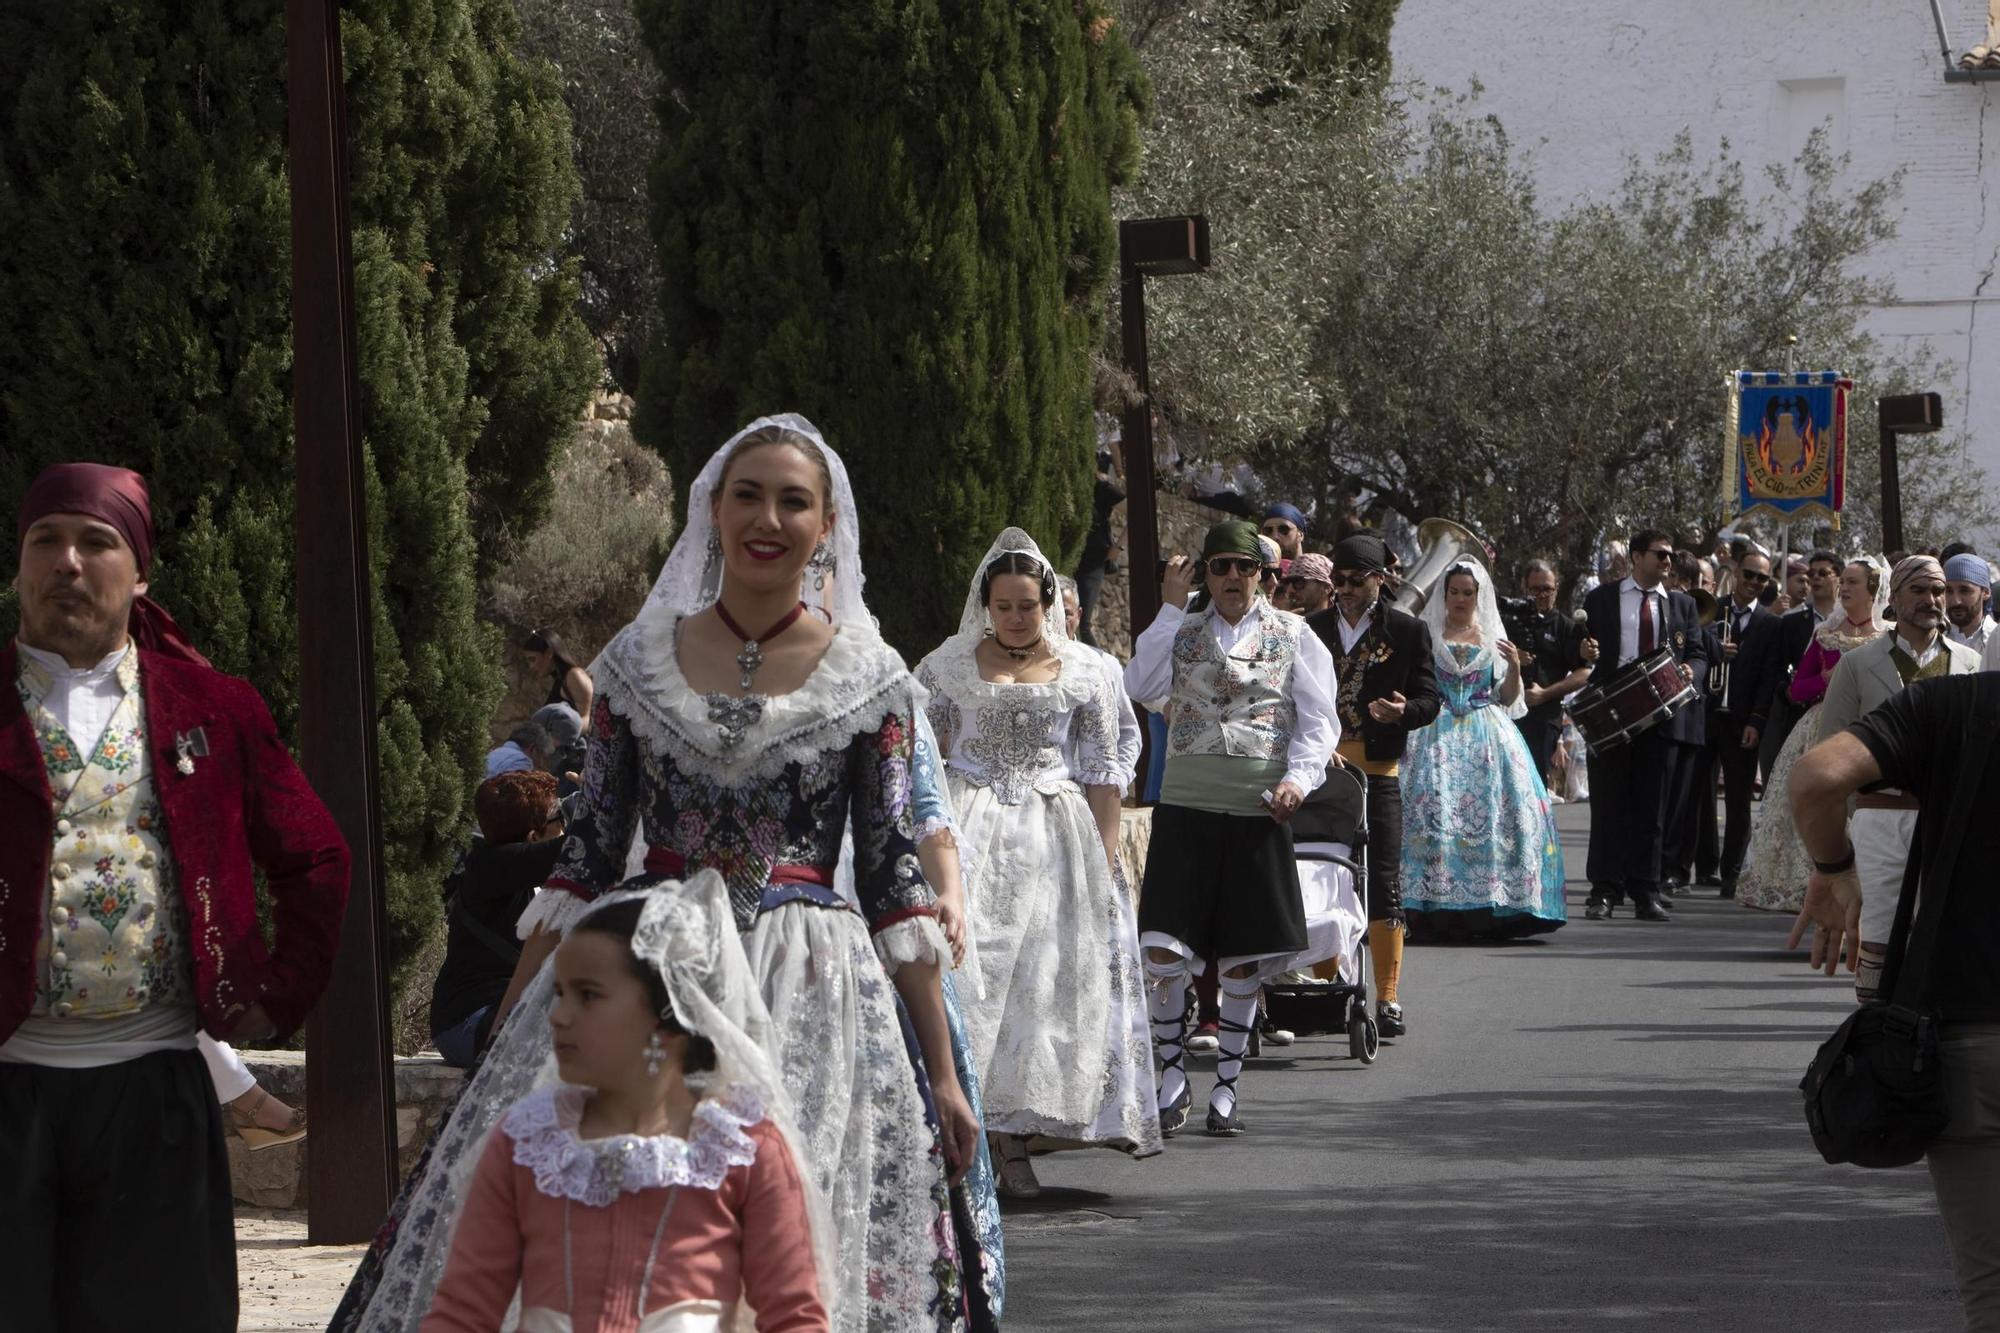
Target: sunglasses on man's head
column 1232, row 564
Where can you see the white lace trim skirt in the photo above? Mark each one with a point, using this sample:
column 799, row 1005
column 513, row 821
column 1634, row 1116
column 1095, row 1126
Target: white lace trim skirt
column 1059, row 1031
column 1775, row 867
column 845, row 1062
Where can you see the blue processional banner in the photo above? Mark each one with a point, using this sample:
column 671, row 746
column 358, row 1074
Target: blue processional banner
column 1786, row 453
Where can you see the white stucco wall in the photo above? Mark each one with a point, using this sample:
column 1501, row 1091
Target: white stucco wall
column 1583, row 84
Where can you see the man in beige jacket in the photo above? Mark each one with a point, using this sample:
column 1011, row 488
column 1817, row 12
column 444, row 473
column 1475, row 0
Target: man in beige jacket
column 1884, row 820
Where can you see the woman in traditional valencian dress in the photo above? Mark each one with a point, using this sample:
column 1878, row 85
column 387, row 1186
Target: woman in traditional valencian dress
column 1028, row 723
column 1775, row 868
column 1481, row 857
column 733, row 732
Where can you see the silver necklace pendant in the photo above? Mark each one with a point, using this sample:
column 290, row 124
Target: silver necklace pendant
column 735, row 716
column 747, row 662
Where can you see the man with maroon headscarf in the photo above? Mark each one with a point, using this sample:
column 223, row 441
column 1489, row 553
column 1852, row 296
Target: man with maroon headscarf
column 140, row 792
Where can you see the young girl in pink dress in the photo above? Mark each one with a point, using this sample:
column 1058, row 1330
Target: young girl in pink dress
column 652, row 1189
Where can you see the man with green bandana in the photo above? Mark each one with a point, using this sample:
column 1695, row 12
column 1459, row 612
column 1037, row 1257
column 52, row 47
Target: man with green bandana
column 1251, row 725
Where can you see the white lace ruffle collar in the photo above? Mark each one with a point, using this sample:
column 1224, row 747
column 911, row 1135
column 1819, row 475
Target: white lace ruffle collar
column 955, row 667
column 858, row 682
column 543, row 1127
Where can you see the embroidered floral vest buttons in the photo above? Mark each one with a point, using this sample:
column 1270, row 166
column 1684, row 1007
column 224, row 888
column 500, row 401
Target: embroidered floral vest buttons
column 60, row 870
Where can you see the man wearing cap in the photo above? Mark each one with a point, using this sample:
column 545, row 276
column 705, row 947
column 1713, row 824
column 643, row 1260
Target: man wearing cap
column 1864, row 679
column 1388, row 689
column 1968, row 582
column 1308, row 584
column 1251, row 726
column 1285, row 525
column 141, row 792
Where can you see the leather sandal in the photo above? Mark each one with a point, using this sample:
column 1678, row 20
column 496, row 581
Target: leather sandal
column 1017, row 1173
column 244, row 1121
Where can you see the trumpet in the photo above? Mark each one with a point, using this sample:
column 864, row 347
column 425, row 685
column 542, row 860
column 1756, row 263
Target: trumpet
column 1718, row 672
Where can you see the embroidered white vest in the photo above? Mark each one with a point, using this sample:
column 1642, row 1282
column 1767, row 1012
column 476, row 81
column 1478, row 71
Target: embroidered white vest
column 1235, row 705
column 114, row 937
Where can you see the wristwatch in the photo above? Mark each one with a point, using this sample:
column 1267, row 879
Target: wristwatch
column 1836, row 867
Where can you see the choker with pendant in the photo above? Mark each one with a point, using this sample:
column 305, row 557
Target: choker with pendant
column 752, row 655
column 1020, row 654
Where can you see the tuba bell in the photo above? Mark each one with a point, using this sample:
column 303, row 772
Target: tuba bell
column 1442, row 544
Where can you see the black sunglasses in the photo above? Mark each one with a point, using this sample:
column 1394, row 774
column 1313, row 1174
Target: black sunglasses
column 1360, row 580
column 1233, row 564
column 1752, row 576
column 1664, row 552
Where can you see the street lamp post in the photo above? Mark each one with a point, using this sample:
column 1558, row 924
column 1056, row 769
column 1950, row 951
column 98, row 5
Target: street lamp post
column 350, row 1092
column 1901, row 414
column 1147, row 247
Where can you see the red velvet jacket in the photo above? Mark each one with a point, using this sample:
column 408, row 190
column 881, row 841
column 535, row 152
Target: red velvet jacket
column 245, row 807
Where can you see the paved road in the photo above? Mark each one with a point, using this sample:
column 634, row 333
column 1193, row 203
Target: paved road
column 1596, row 1132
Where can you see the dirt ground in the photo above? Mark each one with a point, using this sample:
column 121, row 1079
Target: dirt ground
column 285, row 1283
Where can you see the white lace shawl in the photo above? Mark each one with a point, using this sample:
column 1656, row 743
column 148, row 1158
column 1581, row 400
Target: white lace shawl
column 858, row 682
column 1083, row 689
column 543, row 1126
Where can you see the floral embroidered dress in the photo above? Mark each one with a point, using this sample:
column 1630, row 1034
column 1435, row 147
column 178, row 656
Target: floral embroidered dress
column 977, row 1196
column 631, row 1233
column 1775, row 866
column 1058, row 1025
column 1480, row 851
column 762, row 789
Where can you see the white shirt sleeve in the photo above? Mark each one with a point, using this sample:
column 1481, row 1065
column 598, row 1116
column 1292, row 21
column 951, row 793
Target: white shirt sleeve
column 1128, row 720
column 1150, row 673
column 1314, row 689
column 1990, row 659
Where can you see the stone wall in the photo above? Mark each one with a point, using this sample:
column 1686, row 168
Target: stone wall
column 1182, row 524
column 276, row 1177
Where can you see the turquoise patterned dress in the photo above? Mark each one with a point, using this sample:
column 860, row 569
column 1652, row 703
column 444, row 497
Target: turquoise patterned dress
column 1480, row 852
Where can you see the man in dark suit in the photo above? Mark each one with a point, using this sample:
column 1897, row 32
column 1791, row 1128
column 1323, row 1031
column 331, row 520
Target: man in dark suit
column 1746, row 637
column 1772, row 712
column 1688, row 840
column 1631, row 620
column 1387, row 688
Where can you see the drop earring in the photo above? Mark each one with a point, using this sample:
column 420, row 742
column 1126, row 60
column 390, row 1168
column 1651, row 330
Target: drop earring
column 656, row 1054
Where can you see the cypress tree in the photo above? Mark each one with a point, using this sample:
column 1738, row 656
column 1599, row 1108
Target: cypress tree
column 894, row 218
column 145, row 320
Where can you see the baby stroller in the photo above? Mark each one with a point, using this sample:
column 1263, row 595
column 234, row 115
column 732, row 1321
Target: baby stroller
column 1330, row 840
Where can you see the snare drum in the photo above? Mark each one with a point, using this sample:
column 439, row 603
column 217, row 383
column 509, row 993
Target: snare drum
column 1644, row 695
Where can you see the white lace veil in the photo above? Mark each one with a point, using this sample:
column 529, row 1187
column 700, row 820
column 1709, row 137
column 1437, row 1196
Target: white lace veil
column 1486, row 618
column 975, row 624
column 691, row 579
column 688, row 933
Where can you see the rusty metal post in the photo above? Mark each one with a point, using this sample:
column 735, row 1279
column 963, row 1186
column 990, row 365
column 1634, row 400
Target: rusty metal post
column 350, row 1091
column 1142, row 533
column 1158, row 246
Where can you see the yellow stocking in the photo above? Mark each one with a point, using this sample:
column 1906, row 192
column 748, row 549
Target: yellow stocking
column 1385, row 947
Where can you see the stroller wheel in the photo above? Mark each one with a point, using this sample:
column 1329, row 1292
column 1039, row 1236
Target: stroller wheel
column 1363, row 1041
